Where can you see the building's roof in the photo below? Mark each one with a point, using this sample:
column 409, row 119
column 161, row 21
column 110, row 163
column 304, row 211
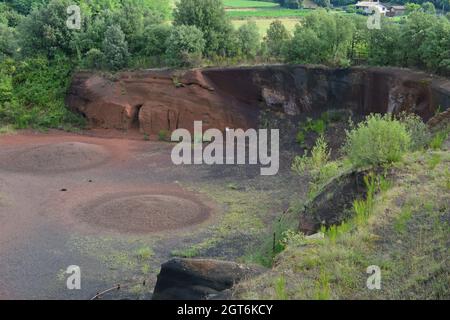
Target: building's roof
column 368, row 4
column 392, row 6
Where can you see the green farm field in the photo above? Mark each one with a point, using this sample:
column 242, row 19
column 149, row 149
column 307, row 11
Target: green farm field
column 264, row 23
column 267, row 13
column 248, row 4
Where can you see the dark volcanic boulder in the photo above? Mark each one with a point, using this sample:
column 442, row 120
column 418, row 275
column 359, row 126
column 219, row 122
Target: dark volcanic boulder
column 198, row 279
column 333, row 204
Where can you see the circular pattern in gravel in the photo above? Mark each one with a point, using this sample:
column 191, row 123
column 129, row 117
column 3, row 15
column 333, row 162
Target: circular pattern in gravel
column 142, row 213
column 56, row 158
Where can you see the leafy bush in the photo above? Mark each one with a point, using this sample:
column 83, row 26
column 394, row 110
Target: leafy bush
column 39, row 87
column 210, row 18
column 417, row 129
column 8, row 41
column 248, row 40
column 115, row 48
column 321, row 38
column 94, row 59
column 155, row 39
column 429, row 7
column 276, row 37
column 377, row 140
column 318, row 126
column 438, row 140
column 44, row 30
column 184, row 45
column 320, row 155
column 163, row 135
column 7, row 69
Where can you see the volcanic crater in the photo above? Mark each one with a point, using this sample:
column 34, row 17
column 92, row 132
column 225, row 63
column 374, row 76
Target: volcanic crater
column 129, row 188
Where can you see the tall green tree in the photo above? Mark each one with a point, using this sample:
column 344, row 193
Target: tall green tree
column 385, row 45
column 45, row 30
column 185, row 46
column 25, row 6
column 276, row 38
column 429, row 7
column 322, row 38
column 115, row 48
column 249, row 40
column 210, row 18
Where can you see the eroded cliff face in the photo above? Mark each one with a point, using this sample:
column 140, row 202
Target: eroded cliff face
column 166, row 100
column 151, row 101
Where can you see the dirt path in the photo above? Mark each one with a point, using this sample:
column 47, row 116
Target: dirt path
column 115, row 207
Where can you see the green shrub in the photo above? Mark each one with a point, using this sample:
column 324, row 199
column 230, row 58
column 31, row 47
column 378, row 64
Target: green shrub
column 300, row 164
column 163, row 135
column 248, row 40
column 155, row 39
column 417, row 129
column 94, row 59
column 115, row 48
column 280, row 288
column 328, row 171
column 184, row 46
column 276, row 37
column 300, row 138
column 45, row 31
column 39, row 88
column 7, row 68
column 322, row 37
column 320, row 155
column 438, row 140
column 378, row 140
column 209, row 17
column 317, row 126
column 8, row 41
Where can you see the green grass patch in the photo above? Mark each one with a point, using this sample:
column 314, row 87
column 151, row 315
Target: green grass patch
column 248, row 4
column 267, row 13
column 406, row 235
column 244, row 213
column 402, row 220
column 280, row 288
column 438, row 140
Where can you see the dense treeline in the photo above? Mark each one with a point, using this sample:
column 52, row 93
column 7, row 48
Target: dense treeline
column 38, row 51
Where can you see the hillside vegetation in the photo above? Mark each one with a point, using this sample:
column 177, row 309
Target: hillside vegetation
column 401, row 226
column 39, row 52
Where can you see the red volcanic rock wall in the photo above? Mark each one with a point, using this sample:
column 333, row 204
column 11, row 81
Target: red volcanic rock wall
column 153, row 101
column 165, row 100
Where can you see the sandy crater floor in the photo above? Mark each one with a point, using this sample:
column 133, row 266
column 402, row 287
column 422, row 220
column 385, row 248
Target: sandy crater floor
column 115, row 207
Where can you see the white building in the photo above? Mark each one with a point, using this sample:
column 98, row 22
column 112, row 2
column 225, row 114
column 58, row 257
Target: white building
column 370, row 6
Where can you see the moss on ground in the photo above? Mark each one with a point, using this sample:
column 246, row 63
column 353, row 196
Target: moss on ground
column 245, row 213
column 120, row 256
